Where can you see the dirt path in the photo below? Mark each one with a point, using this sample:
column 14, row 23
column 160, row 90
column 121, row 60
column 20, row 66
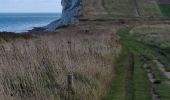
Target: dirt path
column 136, row 8
column 152, row 79
column 161, row 67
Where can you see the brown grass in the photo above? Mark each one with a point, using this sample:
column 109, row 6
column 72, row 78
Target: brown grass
column 36, row 69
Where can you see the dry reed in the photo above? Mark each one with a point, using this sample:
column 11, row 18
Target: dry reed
column 36, row 69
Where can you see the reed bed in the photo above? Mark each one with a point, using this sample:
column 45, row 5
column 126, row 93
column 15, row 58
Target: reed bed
column 37, row 69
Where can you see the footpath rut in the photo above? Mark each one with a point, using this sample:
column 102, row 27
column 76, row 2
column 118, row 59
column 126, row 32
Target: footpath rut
column 152, row 79
column 161, row 67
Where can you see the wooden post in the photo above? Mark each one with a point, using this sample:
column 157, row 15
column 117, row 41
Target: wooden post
column 70, row 87
column 70, row 82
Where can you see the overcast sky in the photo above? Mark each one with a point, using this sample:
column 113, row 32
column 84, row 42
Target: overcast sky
column 30, row 6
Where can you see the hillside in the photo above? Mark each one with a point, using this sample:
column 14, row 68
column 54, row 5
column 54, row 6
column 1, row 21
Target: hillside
column 117, row 8
column 75, row 10
column 36, row 68
column 98, row 50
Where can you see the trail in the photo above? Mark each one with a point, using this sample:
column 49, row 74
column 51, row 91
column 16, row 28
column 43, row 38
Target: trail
column 152, row 79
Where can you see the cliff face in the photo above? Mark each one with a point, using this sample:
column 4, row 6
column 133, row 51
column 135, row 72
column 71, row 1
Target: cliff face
column 69, row 14
column 73, row 10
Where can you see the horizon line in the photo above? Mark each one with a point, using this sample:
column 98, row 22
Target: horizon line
column 30, row 12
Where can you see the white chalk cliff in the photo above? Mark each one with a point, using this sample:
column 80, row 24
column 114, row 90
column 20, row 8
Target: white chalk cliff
column 70, row 15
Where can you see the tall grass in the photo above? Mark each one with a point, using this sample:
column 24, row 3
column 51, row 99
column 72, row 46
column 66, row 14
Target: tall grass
column 36, row 69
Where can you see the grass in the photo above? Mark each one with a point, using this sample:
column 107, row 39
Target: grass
column 145, row 52
column 117, row 91
column 164, row 89
column 119, row 7
column 159, row 76
column 125, row 8
column 165, row 9
column 149, row 8
column 153, row 34
column 94, row 9
column 125, row 87
column 37, row 68
column 157, row 37
column 7, row 36
column 141, row 83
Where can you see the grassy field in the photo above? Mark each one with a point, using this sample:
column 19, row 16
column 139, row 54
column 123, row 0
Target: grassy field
column 93, row 9
column 143, row 52
column 149, row 8
column 117, row 90
column 136, row 87
column 158, row 37
column 141, row 85
column 37, row 68
column 119, row 7
column 165, row 9
column 103, row 9
column 126, row 7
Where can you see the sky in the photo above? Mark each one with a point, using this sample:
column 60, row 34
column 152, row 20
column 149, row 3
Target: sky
column 18, row 6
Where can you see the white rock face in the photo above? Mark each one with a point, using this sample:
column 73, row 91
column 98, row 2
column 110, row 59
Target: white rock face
column 70, row 15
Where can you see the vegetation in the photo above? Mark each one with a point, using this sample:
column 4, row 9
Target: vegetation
column 126, row 7
column 165, row 9
column 7, row 36
column 164, row 89
column 149, row 8
column 119, row 7
column 140, row 82
column 158, row 37
column 37, row 68
column 144, row 53
column 117, row 90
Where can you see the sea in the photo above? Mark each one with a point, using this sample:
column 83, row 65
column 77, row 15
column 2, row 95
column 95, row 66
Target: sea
column 22, row 22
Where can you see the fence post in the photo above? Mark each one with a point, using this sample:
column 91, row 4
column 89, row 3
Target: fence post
column 70, row 87
column 70, row 82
